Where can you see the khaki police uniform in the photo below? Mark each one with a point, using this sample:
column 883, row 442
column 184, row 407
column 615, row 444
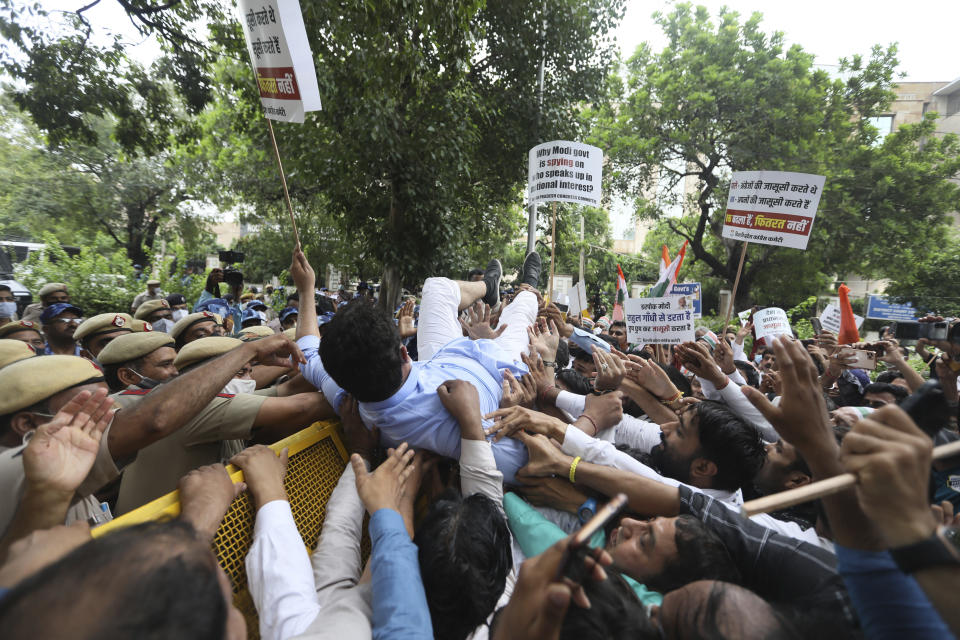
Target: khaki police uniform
column 26, row 383
column 32, row 311
column 160, row 466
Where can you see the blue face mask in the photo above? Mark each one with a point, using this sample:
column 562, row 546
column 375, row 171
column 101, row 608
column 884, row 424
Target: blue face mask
column 8, row 309
column 758, row 358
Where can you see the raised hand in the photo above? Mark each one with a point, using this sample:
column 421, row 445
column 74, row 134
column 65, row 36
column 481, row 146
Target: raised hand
column 302, row 273
column 62, row 451
column 507, row 422
column 478, row 323
column 723, row 354
column 461, row 399
column 553, row 314
column 385, row 487
column 277, row 351
column 557, row 493
column 604, row 411
column 521, row 392
column 405, row 320
column 651, row 377
column 358, row 438
column 696, row 357
column 264, row 472
column 891, row 458
column 801, row 417
column 542, row 377
column 544, row 339
column 546, row 458
column 610, row 370
column 205, row 497
column 743, row 332
column 540, row 599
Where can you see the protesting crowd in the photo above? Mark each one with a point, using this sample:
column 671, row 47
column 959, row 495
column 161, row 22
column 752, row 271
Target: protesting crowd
column 521, row 472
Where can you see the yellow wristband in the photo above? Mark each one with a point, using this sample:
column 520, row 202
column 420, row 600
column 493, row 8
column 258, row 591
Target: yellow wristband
column 573, row 469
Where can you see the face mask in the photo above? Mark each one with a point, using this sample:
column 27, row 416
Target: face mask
column 163, row 325
column 757, row 358
column 145, row 382
column 238, row 385
column 8, row 309
column 179, row 314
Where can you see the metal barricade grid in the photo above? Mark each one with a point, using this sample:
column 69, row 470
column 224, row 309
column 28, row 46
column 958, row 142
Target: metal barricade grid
column 317, row 459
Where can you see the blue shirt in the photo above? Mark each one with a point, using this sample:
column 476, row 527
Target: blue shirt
column 889, row 602
column 47, row 351
column 399, row 601
column 415, row 415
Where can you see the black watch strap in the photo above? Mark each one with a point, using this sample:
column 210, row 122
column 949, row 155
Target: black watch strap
column 940, row 549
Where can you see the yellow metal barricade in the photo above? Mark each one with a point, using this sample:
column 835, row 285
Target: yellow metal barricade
column 317, row 459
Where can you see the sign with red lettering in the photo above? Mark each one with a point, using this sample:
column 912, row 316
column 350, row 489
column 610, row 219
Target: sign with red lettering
column 563, row 171
column 772, row 207
column 282, row 61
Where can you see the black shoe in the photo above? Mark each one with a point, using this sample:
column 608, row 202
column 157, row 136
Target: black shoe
column 492, row 279
column 531, row 270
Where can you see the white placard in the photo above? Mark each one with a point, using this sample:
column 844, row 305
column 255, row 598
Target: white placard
column 830, row 318
column 666, row 320
column 771, row 322
column 578, row 298
column 744, row 317
column 563, row 171
column 282, row 62
column 772, row 207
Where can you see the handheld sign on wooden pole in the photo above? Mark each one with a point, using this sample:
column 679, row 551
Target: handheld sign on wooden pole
column 770, row 207
column 553, row 245
column 282, row 67
column 823, row 488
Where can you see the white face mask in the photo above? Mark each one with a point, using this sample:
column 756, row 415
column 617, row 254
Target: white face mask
column 239, row 385
column 8, row 309
column 179, row 314
column 163, row 325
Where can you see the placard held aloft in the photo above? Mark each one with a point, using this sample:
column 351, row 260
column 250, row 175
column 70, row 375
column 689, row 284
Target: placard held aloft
column 666, row 320
column 772, row 207
column 564, row 171
column 280, row 53
column 771, row 322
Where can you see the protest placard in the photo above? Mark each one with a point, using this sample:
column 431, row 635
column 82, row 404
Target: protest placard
column 691, row 291
column 578, row 298
column 282, row 61
column 772, row 207
column 771, row 322
column 830, row 318
column 658, row 320
column 879, row 308
column 563, row 171
column 744, row 317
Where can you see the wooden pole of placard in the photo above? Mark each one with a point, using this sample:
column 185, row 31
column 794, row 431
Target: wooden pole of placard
column 829, row 486
column 553, row 245
column 733, row 295
column 283, row 180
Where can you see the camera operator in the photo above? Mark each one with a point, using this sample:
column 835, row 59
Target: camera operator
column 232, row 278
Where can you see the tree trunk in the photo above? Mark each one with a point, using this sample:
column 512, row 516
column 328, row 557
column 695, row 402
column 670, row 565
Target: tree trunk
column 390, row 282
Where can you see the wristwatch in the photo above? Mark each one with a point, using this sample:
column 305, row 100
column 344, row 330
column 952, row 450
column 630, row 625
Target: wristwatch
column 587, row 510
column 940, row 549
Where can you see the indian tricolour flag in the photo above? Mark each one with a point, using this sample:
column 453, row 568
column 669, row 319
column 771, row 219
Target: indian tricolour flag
column 668, row 277
column 622, row 294
column 664, row 260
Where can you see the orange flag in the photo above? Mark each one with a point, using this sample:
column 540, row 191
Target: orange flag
column 848, row 324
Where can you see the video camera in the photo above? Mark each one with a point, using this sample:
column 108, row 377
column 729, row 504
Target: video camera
column 231, row 275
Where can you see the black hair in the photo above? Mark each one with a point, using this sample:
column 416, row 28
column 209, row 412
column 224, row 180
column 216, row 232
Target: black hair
column 679, row 380
column 563, row 354
column 4, row 287
column 748, row 372
column 610, row 340
column 361, row 352
column 722, row 617
column 579, row 354
column 615, row 612
column 110, row 373
column 153, row 580
column 465, row 556
column 898, row 392
column 768, row 351
column 889, row 376
column 325, row 305
column 618, row 323
column 733, row 445
column 575, row 381
column 701, row 555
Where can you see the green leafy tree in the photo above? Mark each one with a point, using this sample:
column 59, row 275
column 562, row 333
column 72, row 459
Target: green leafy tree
column 419, row 150
column 727, row 96
column 933, row 283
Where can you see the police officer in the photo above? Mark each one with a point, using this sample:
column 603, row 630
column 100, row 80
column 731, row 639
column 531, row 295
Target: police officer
column 24, row 331
column 158, row 313
column 195, row 326
column 95, row 333
column 50, row 293
column 152, row 293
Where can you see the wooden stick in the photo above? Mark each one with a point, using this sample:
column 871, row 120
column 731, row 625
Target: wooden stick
column 283, row 179
column 553, row 247
column 733, row 296
column 823, row 488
